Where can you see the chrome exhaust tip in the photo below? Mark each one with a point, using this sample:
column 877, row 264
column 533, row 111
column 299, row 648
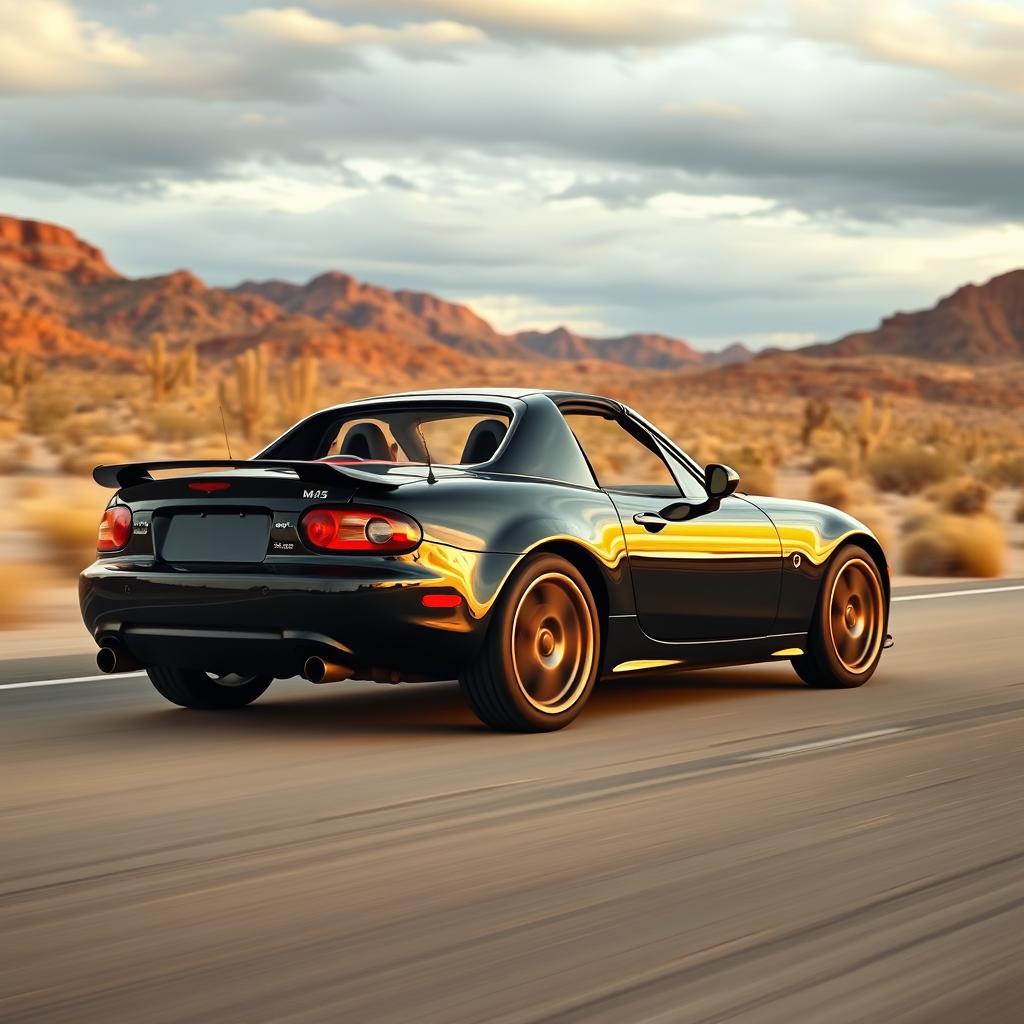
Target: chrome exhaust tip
column 110, row 659
column 316, row 670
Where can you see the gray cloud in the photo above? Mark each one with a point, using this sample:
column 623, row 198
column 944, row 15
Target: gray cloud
column 514, row 150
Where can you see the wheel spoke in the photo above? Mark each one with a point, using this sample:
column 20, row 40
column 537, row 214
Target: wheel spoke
column 552, row 643
column 856, row 616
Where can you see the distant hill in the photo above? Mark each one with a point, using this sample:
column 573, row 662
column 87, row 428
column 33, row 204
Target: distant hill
column 976, row 324
column 61, row 300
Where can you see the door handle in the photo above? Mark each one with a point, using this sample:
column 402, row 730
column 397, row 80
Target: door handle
column 650, row 521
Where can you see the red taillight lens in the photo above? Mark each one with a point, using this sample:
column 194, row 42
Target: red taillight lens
column 115, row 528
column 360, row 531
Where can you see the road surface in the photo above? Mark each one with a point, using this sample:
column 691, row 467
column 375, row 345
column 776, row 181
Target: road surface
column 722, row 846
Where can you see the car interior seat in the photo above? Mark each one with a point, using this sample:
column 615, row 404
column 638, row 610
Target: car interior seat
column 367, row 441
column 483, row 441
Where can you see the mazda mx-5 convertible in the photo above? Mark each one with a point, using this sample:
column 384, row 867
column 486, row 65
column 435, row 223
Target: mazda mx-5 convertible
column 525, row 542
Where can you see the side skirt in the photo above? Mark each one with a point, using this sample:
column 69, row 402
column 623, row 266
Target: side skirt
column 630, row 649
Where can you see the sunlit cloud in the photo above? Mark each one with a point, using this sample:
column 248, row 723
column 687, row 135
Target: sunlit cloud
column 980, row 42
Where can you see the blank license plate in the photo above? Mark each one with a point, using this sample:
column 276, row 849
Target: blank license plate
column 216, row 538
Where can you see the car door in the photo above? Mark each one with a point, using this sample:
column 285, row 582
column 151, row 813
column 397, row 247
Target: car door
column 713, row 577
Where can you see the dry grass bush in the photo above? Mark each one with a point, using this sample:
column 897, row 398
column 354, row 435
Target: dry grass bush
column 180, row 423
column 963, row 496
column 1007, row 468
column 952, row 545
column 66, row 520
column 910, row 470
column 14, row 457
column 757, row 479
column 953, row 532
column 18, row 584
column 47, row 405
column 755, row 465
column 1018, row 512
column 80, row 461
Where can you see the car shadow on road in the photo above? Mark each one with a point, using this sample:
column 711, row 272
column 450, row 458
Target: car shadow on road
column 293, row 708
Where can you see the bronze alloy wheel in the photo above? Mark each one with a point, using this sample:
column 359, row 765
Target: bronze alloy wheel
column 553, row 644
column 856, row 616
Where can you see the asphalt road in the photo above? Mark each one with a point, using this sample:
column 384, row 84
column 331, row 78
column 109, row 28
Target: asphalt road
column 718, row 846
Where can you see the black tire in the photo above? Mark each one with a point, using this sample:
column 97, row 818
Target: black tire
column 541, row 655
column 191, row 688
column 848, row 629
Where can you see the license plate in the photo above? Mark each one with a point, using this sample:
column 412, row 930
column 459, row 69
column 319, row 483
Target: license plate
column 216, row 537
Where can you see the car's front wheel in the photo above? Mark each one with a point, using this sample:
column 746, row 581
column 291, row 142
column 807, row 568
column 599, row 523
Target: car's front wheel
column 206, row 691
column 541, row 654
column 848, row 630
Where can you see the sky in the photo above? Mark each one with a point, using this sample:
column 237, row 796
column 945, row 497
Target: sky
column 775, row 171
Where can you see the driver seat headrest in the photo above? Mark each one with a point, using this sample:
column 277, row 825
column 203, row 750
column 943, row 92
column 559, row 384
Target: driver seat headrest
column 367, row 441
column 483, row 441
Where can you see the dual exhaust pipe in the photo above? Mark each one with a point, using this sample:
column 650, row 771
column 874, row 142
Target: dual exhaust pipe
column 111, row 658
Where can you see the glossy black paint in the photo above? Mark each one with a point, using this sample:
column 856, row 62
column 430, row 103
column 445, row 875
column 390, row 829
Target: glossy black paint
column 718, row 588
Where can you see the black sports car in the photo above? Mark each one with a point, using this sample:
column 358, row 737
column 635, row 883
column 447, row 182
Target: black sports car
column 526, row 542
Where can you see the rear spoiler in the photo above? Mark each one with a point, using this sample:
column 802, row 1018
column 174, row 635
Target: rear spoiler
column 131, row 473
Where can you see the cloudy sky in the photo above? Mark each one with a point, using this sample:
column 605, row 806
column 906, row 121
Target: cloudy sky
column 771, row 170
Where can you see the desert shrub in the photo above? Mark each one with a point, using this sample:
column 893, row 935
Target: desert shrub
column 962, row 496
column 1008, row 469
column 1018, row 513
column 832, row 487
column 18, row 584
column 955, row 545
column 80, row 461
column 47, row 405
column 66, row 524
column 14, row 457
column 755, row 465
column 757, row 479
column 909, row 470
column 177, row 423
column 831, row 458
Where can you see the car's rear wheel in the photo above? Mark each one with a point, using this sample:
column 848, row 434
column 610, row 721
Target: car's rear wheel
column 541, row 654
column 207, row 691
column 844, row 643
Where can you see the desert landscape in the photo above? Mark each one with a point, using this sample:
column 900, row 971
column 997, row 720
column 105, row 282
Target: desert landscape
column 916, row 426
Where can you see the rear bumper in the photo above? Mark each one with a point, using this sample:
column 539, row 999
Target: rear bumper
column 364, row 616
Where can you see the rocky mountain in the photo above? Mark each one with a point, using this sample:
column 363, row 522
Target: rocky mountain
column 976, row 324
column 61, row 300
column 641, row 351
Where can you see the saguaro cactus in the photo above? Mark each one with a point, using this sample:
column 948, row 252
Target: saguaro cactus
column 166, row 373
column 250, row 386
column 16, row 371
column 296, row 387
column 872, row 427
column 816, row 415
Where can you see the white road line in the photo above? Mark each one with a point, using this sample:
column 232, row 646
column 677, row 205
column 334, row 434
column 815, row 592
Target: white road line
column 838, row 741
column 72, row 679
column 957, row 593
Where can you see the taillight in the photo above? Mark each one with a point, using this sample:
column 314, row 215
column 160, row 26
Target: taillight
column 360, row 531
column 115, row 528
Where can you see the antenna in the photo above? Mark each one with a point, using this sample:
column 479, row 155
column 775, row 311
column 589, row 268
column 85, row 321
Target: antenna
column 431, row 479
column 224, row 424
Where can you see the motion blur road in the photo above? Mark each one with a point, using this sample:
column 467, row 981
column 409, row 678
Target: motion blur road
column 718, row 846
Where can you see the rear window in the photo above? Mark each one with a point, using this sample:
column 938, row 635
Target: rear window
column 450, row 437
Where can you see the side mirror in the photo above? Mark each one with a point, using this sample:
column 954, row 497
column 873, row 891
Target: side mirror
column 720, row 481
